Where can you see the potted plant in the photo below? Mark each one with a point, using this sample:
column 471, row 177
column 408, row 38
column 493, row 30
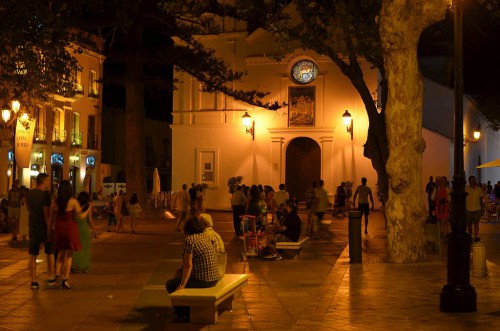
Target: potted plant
column 233, row 182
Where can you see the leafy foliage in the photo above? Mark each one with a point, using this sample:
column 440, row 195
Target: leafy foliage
column 36, row 57
column 233, row 182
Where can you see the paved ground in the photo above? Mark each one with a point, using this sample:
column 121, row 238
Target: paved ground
column 319, row 291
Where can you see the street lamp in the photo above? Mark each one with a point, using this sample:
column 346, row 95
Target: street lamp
column 9, row 120
column 458, row 295
column 348, row 122
column 249, row 124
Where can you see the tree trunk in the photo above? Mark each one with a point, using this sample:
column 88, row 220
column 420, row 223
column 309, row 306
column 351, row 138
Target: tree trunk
column 401, row 24
column 134, row 119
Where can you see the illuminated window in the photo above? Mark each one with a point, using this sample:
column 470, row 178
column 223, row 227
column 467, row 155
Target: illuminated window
column 304, row 71
column 93, row 87
column 78, row 81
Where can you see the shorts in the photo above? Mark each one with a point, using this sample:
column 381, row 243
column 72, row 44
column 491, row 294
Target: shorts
column 474, row 217
column 14, row 212
column 38, row 236
column 364, row 208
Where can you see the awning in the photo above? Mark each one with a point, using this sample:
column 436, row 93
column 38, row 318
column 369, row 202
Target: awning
column 491, row 164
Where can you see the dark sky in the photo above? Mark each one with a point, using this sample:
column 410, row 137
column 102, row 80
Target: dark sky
column 481, row 32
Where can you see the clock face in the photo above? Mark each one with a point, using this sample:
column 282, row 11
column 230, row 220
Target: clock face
column 304, row 71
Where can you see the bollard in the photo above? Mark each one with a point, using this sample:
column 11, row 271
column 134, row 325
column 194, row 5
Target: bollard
column 355, row 253
column 478, row 259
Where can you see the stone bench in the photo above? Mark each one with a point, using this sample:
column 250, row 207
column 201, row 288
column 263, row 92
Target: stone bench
column 204, row 303
column 292, row 245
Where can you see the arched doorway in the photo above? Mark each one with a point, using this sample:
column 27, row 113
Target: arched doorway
column 303, row 166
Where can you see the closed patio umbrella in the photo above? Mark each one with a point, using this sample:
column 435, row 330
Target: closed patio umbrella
column 156, row 187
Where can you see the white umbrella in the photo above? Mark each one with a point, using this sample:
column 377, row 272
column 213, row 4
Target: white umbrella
column 491, row 164
column 156, row 182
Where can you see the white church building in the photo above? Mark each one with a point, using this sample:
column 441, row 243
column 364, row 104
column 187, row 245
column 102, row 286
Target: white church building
column 302, row 142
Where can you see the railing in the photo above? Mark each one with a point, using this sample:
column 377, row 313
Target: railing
column 79, row 89
column 76, row 139
column 58, row 137
column 92, row 141
column 40, row 135
column 93, row 93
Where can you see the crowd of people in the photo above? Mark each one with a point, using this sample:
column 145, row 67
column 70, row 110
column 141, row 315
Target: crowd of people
column 119, row 210
column 482, row 201
column 61, row 224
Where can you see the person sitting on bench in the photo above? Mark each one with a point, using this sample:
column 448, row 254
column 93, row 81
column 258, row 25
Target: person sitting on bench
column 199, row 268
column 289, row 231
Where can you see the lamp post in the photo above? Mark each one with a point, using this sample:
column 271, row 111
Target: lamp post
column 458, row 295
column 12, row 120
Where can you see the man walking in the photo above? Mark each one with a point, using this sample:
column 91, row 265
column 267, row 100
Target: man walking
column 238, row 204
column 474, row 206
column 38, row 204
column 321, row 203
column 14, row 208
column 182, row 201
column 430, row 188
column 363, row 206
column 192, row 197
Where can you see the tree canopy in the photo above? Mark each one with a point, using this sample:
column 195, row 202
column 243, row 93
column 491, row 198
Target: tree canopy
column 37, row 55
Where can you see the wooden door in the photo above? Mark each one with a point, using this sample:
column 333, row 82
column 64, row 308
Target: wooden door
column 303, row 166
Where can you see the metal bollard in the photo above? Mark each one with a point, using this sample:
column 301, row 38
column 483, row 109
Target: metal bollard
column 355, row 253
column 478, row 259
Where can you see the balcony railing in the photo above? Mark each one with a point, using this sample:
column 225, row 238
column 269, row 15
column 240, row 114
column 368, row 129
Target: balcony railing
column 58, row 137
column 40, row 135
column 92, row 141
column 93, row 93
column 76, row 139
column 79, row 89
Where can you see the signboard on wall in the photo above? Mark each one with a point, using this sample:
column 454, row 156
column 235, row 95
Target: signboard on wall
column 24, row 141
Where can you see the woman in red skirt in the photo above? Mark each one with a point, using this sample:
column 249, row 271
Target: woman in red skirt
column 62, row 216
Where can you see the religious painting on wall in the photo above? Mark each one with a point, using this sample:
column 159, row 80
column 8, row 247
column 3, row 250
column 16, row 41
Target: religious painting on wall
column 301, row 105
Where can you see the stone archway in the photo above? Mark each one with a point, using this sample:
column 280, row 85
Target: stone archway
column 303, row 166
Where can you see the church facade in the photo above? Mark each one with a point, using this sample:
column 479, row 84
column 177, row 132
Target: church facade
column 302, row 142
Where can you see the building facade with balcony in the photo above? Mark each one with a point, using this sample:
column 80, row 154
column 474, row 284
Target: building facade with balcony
column 66, row 142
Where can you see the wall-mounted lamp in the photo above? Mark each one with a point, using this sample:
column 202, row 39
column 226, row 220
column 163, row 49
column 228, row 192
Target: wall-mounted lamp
column 348, row 122
column 34, row 170
column 249, row 124
column 476, row 134
column 9, row 170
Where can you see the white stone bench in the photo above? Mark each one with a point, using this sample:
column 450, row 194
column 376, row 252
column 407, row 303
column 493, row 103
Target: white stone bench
column 292, row 245
column 326, row 223
column 204, row 303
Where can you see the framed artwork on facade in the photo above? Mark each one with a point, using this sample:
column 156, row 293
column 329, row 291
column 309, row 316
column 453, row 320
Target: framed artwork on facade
column 301, row 105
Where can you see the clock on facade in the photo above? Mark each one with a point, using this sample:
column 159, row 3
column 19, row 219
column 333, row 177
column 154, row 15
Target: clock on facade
column 304, row 71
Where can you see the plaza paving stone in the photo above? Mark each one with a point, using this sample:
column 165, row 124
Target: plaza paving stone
column 318, row 291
